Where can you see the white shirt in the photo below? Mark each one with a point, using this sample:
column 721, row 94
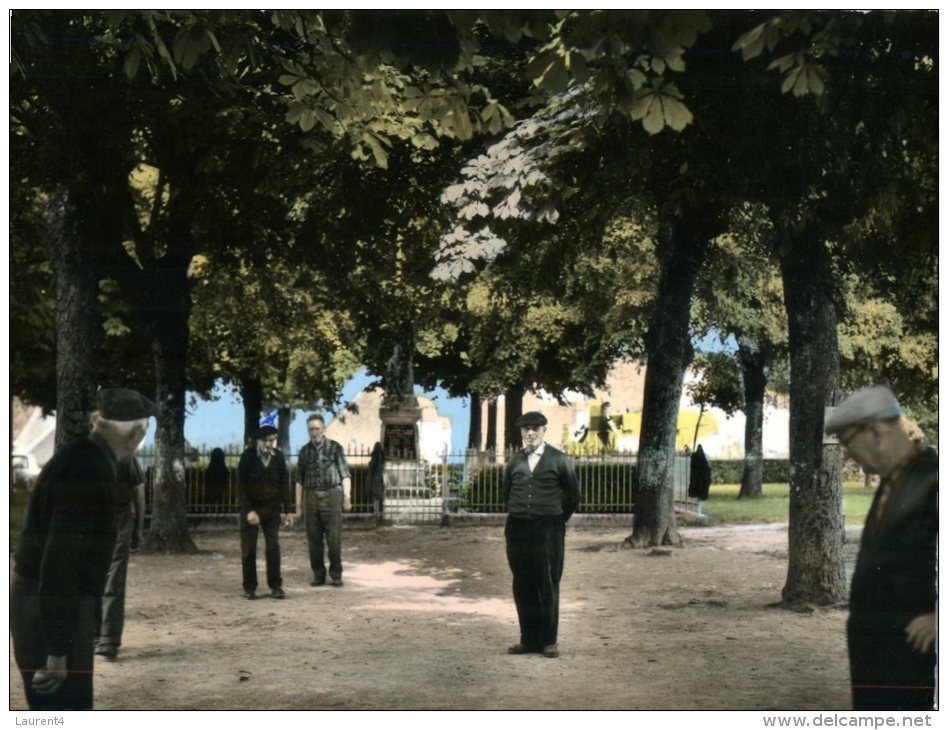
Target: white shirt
column 533, row 458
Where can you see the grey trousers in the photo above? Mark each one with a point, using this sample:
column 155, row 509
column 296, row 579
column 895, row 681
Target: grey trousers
column 110, row 608
column 323, row 515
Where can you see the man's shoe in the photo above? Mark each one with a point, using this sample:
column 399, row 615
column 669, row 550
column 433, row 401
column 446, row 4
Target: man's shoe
column 336, row 583
column 250, row 595
column 317, row 582
column 108, row 652
column 550, row 651
column 520, row 649
column 277, row 593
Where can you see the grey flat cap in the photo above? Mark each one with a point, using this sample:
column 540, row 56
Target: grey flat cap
column 875, row 403
column 123, row 404
column 265, row 431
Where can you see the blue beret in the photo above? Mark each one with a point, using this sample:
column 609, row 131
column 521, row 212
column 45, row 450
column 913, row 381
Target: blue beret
column 122, row 404
column 531, row 418
column 265, row 431
column 875, row 403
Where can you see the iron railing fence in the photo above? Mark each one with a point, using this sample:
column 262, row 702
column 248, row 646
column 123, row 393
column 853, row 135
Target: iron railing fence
column 467, row 481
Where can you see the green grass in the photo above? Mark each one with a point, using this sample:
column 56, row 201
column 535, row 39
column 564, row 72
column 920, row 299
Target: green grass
column 724, row 508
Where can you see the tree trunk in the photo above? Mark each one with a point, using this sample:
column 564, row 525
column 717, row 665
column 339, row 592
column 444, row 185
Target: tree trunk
column 251, row 393
column 169, row 521
column 166, row 311
column 491, row 444
column 815, row 571
column 513, row 409
column 72, row 253
column 284, row 420
column 474, row 431
column 682, row 249
column 754, row 370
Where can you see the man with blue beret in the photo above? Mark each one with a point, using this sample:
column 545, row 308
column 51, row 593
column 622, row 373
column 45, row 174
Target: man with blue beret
column 891, row 627
column 263, row 496
column 63, row 555
column 541, row 492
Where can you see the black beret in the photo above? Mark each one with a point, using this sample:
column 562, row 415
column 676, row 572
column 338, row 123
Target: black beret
column 265, row 431
column 122, row 404
column 531, row 418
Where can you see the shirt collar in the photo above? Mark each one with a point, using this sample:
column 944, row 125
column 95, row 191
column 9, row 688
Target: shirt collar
column 538, row 450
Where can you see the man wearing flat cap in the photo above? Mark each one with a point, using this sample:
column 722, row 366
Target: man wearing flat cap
column 263, row 496
column 541, row 493
column 64, row 552
column 891, row 627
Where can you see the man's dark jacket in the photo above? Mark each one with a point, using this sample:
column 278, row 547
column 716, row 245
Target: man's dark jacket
column 894, row 581
column 259, row 486
column 69, row 535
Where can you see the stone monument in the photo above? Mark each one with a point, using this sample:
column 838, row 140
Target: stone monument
column 400, row 413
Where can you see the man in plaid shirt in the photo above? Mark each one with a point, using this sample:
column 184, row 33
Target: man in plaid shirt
column 323, row 490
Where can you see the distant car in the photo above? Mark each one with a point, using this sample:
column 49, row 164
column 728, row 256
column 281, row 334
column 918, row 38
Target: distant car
column 25, row 470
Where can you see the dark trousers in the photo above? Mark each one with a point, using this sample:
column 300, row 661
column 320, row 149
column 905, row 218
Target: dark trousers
column 29, row 649
column 270, row 524
column 886, row 673
column 110, row 608
column 323, row 515
column 535, row 550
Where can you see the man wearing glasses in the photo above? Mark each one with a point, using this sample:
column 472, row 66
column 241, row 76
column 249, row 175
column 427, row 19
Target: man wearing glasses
column 891, row 627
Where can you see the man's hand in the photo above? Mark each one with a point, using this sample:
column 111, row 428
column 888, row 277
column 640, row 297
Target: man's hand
column 291, row 519
column 51, row 677
column 920, row 633
column 346, row 503
column 253, row 518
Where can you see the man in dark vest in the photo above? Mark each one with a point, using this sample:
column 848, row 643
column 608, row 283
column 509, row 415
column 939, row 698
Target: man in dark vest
column 64, row 552
column 541, row 493
column 263, row 483
column 891, row 627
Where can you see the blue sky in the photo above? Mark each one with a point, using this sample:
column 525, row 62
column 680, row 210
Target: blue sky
column 221, row 422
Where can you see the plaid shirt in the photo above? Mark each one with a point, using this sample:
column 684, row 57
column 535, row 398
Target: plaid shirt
column 323, row 466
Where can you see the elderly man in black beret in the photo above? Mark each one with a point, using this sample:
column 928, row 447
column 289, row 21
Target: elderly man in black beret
column 64, row 552
column 263, row 496
column 541, row 493
column 891, row 627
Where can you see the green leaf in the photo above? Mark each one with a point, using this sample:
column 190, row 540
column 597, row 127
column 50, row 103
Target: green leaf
column 791, row 80
column 677, row 115
column 132, row 61
column 654, row 120
column 751, row 43
column 637, row 78
column 288, row 80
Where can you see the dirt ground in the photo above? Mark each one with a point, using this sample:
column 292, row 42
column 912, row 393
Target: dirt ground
column 426, row 614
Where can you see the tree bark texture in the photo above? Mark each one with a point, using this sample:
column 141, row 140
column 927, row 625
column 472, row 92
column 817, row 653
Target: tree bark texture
column 754, row 371
column 682, row 248
column 474, row 433
column 815, row 572
column 73, row 244
column 491, row 444
column 166, row 314
column 513, row 409
column 251, row 393
column 284, row 420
